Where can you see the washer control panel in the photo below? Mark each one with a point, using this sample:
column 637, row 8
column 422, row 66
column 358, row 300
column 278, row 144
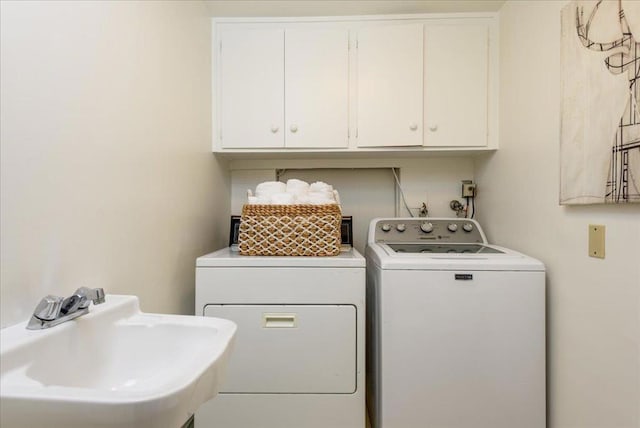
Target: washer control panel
column 424, row 229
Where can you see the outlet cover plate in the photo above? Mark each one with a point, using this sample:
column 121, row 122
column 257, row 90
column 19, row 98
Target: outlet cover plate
column 468, row 189
column 596, row 240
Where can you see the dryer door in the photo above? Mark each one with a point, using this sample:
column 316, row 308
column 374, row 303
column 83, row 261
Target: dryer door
column 291, row 348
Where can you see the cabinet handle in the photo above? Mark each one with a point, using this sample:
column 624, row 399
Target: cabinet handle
column 433, row 127
column 413, row 126
column 294, row 128
column 274, row 129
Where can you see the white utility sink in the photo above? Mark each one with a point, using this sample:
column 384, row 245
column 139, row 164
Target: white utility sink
column 114, row 367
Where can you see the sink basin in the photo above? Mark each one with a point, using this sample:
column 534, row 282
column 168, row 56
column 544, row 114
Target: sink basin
column 114, row 367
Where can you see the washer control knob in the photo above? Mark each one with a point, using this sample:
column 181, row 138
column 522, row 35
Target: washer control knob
column 426, row 227
column 386, row 227
column 467, row 227
column 452, row 227
column 400, row 227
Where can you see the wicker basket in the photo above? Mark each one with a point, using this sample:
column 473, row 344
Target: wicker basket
column 290, row 230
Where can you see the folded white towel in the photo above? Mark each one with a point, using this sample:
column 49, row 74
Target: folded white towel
column 294, row 191
column 320, row 186
column 270, row 187
column 317, row 198
column 297, row 193
column 336, row 196
column 282, row 199
column 321, row 201
column 295, row 185
column 322, row 195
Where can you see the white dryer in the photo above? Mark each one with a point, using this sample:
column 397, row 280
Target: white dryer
column 299, row 352
column 455, row 328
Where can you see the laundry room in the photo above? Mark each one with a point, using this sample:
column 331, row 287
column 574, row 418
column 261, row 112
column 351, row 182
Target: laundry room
column 131, row 138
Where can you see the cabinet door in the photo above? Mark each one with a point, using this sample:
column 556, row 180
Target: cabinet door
column 251, row 88
column 389, row 99
column 317, row 88
column 455, row 81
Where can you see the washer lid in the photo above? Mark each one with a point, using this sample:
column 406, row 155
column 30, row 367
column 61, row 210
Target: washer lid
column 226, row 257
column 492, row 258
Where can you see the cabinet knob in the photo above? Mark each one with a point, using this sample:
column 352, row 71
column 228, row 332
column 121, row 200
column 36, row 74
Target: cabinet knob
column 433, row 127
column 413, row 126
column 274, row 129
column 294, row 128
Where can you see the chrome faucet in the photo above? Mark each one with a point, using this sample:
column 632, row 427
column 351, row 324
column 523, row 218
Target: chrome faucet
column 54, row 310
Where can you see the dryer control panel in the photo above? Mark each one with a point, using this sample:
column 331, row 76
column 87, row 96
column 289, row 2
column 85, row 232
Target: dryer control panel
column 424, row 229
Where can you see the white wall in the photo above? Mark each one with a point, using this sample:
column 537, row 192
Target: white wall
column 433, row 180
column 593, row 305
column 106, row 170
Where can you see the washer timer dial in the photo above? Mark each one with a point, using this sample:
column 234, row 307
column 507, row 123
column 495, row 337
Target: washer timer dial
column 426, row 227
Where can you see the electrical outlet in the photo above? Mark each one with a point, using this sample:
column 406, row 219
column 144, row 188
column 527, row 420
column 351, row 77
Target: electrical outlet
column 596, row 240
column 468, row 189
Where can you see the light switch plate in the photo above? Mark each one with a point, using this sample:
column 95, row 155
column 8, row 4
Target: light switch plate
column 596, row 240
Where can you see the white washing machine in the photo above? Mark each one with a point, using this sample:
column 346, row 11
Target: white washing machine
column 299, row 352
column 455, row 328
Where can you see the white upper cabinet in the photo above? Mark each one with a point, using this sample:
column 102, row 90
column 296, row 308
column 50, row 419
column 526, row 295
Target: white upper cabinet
column 456, row 67
column 284, row 88
column 251, row 88
column 317, row 88
column 389, row 89
column 359, row 85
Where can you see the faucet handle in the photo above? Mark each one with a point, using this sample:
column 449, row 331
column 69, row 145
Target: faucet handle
column 73, row 303
column 48, row 308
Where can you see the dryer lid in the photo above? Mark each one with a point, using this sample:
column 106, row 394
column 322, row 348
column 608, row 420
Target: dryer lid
column 348, row 258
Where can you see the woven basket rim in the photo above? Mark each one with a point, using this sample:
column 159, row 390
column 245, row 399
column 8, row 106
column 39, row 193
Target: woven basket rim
column 335, row 204
column 288, row 209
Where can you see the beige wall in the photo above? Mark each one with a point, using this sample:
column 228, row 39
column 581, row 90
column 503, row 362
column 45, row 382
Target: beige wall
column 346, row 7
column 593, row 311
column 107, row 180
column 107, row 174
